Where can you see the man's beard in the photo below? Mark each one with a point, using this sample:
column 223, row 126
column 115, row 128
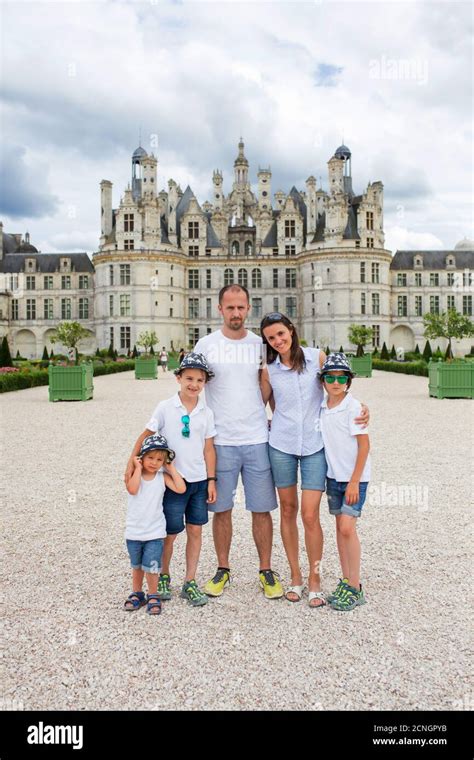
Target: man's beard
column 236, row 324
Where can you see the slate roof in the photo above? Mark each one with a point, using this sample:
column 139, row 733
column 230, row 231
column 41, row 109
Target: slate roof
column 432, row 259
column 45, row 262
column 271, row 240
column 351, row 233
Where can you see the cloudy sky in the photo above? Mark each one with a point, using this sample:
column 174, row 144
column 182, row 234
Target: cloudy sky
column 294, row 78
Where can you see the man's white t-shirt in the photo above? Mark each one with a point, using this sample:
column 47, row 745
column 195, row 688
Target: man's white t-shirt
column 339, row 433
column 166, row 419
column 145, row 518
column 234, row 393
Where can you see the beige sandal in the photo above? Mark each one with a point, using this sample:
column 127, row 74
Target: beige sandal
column 298, row 590
column 316, row 595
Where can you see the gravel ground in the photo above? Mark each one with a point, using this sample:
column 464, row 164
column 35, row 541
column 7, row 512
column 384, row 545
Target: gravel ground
column 66, row 574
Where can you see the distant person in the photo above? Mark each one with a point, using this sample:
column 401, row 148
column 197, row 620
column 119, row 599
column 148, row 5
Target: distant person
column 146, row 525
column 347, row 454
column 188, row 426
column 164, row 358
column 182, row 354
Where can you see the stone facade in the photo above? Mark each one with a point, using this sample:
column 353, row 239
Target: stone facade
column 317, row 255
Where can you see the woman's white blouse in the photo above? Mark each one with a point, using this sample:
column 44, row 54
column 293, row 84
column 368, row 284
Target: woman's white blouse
column 298, row 399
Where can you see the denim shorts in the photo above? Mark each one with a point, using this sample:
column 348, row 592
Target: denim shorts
column 336, row 501
column 313, row 469
column 146, row 555
column 191, row 504
column 252, row 462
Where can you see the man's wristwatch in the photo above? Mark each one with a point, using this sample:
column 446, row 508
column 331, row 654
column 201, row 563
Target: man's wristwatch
column 212, row 478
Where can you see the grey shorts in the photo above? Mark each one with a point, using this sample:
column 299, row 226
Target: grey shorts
column 253, row 464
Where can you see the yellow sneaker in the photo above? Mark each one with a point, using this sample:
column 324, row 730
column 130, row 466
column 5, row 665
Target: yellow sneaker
column 270, row 583
column 216, row 586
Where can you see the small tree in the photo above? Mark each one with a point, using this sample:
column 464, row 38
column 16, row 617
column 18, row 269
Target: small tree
column 45, row 356
column 384, row 353
column 359, row 335
column 152, row 351
column 375, row 352
column 69, row 334
column 5, row 355
column 417, row 350
column 134, row 352
column 393, row 353
column 18, row 354
column 427, row 352
column 341, row 350
column 327, row 351
column 51, row 356
column 147, row 340
column 449, row 324
column 110, row 351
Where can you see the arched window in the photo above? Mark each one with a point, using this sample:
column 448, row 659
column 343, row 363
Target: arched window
column 256, row 278
column 248, row 247
column 228, row 276
column 235, row 248
column 243, row 277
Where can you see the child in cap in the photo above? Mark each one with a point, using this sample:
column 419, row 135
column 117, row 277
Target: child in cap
column 189, row 427
column 347, row 455
column 146, row 525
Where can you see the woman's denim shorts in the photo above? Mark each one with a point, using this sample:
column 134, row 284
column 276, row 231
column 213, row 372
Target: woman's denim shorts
column 313, row 469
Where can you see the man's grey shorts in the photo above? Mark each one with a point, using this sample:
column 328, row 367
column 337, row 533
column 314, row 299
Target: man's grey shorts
column 253, row 464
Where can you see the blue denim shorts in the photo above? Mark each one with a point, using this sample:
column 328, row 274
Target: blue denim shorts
column 146, row 555
column 336, row 501
column 313, row 469
column 191, row 504
column 253, row 464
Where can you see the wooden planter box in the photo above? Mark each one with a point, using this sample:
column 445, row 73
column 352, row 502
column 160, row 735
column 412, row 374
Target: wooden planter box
column 73, row 383
column 146, row 369
column 361, row 365
column 451, row 379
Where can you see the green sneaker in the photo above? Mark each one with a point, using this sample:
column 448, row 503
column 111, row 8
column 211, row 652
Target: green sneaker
column 348, row 599
column 193, row 594
column 215, row 586
column 270, row 583
column 342, row 582
column 164, row 591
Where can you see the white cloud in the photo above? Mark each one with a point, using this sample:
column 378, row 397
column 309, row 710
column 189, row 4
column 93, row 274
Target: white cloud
column 199, row 79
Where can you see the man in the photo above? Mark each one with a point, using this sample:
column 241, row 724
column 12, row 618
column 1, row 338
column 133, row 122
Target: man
column 164, row 358
column 234, row 355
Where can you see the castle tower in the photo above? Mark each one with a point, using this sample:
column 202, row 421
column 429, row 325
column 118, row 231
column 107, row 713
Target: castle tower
column 241, row 169
column 217, row 181
column 172, row 203
column 149, row 168
column 344, row 154
column 265, row 188
column 106, row 209
column 336, row 175
column 311, row 205
column 137, row 172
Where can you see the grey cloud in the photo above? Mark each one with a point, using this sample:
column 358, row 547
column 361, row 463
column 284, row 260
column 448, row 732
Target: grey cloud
column 24, row 189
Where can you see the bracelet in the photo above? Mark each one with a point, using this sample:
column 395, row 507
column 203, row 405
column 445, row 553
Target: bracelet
column 212, row 478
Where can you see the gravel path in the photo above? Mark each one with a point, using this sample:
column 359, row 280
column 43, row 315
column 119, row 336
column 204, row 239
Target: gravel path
column 66, row 572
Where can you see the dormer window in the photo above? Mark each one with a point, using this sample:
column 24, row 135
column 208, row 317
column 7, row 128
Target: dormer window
column 418, row 261
column 450, row 262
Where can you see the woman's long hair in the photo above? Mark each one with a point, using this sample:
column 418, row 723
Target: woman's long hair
column 297, row 359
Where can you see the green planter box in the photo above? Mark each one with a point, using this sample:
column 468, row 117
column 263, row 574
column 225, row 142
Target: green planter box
column 73, row 383
column 361, row 365
column 451, row 379
column 146, row 369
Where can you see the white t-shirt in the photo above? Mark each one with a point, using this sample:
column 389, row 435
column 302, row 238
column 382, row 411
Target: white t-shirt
column 163, row 356
column 166, row 419
column 145, row 518
column 340, row 444
column 234, row 393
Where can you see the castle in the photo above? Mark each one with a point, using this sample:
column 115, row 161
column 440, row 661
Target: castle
column 317, row 255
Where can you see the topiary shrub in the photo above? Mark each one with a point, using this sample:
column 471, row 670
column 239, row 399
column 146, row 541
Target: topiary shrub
column 5, row 355
column 384, row 353
column 427, row 352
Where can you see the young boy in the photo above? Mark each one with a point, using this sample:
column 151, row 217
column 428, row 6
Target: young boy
column 189, row 427
column 347, row 455
column 146, row 526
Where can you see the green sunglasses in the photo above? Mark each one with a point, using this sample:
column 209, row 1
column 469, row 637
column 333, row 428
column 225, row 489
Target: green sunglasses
column 185, row 420
column 341, row 379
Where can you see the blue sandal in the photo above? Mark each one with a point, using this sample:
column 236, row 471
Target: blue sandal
column 152, row 605
column 136, row 599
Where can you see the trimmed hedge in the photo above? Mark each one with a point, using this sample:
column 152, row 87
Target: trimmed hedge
column 17, row 381
column 406, row 368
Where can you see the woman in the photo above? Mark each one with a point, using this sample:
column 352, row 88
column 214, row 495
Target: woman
column 290, row 382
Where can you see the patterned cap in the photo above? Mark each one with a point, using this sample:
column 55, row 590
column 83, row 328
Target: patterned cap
column 337, row 361
column 195, row 361
column 156, row 443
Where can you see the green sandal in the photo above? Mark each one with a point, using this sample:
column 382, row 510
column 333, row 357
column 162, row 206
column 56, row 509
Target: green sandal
column 348, row 599
column 164, row 591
